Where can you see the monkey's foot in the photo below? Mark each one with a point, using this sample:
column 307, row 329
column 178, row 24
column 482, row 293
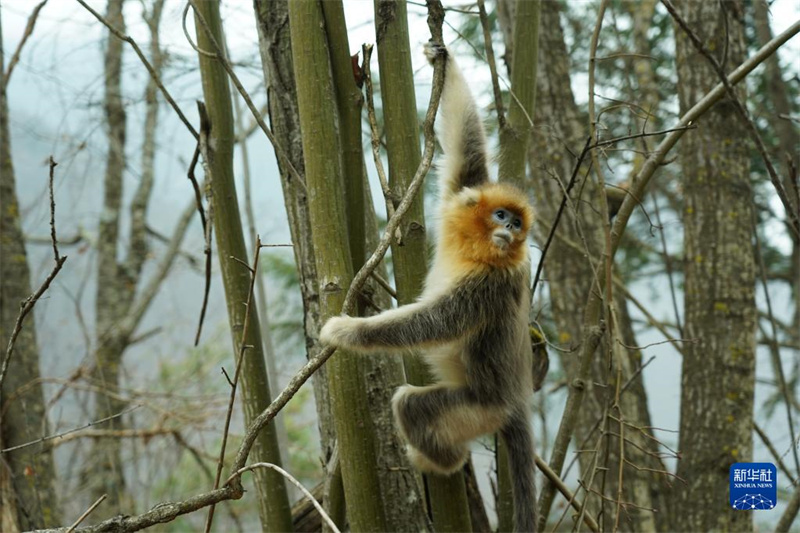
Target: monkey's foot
column 425, row 464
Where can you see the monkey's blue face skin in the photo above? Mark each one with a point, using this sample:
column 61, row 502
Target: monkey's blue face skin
column 509, row 227
column 507, row 219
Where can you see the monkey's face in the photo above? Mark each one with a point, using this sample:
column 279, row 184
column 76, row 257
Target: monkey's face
column 487, row 226
column 508, row 226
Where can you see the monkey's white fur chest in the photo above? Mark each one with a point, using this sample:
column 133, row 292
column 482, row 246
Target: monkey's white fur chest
column 446, row 361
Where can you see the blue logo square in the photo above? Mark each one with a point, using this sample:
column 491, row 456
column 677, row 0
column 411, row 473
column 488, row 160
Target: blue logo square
column 753, row 486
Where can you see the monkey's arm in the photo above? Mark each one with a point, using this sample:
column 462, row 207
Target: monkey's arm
column 461, row 132
column 443, row 319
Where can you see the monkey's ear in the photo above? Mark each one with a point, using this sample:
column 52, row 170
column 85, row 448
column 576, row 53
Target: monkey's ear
column 469, row 197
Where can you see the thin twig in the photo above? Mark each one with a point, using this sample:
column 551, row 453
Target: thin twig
column 234, row 385
column 86, row 513
column 640, row 135
column 668, row 341
column 53, row 238
column 774, row 349
column 59, row 435
column 564, row 490
column 384, row 285
column 487, row 42
column 774, row 452
column 27, row 306
column 668, row 266
column 296, row 483
column 226, row 64
column 25, row 35
column 560, row 211
column 146, row 63
column 208, row 224
column 375, row 136
column 198, row 196
column 740, row 108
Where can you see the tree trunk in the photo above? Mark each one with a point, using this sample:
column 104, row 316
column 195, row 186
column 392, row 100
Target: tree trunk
column 383, row 372
column 569, row 271
column 446, row 494
column 325, row 184
column 274, row 42
column 273, row 502
column 27, row 498
column 718, row 367
column 261, row 296
column 114, row 294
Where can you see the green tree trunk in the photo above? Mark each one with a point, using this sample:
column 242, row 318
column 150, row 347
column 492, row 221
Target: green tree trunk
column 324, row 181
column 447, row 494
column 274, row 43
column 718, row 374
column 273, row 501
column 27, row 498
column 384, row 373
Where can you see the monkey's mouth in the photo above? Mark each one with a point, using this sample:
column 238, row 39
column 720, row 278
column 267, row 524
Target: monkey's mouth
column 501, row 239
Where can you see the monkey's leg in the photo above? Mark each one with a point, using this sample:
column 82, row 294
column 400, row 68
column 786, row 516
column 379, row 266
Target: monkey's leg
column 438, row 422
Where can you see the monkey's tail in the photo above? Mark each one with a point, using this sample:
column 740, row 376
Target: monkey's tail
column 518, row 436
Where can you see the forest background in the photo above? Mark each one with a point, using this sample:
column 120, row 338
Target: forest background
column 168, row 399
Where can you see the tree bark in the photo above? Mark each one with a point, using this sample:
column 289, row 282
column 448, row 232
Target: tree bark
column 325, row 184
column 273, row 502
column 274, row 42
column 27, row 497
column 114, row 291
column 717, row 379
column 383, row 373
column 447, row 495
column 270, row 357
column 569, row 272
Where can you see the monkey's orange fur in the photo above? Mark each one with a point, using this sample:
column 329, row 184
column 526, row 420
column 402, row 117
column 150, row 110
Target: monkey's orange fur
column 467, row 228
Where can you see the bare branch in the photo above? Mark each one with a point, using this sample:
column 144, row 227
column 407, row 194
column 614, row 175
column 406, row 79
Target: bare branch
column 86, row 513
column 226, row 64
column 154, row 75
column 235, row 382
column 487, row 42
column 792, row 507
column 791, row 210
column 294, row 482
column 27, row 306
column 59, row 435
column 26, row 34
column 208, row 226
column 564, row 490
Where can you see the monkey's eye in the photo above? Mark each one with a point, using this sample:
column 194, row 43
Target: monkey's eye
column 517, row 223
column 500, row 214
